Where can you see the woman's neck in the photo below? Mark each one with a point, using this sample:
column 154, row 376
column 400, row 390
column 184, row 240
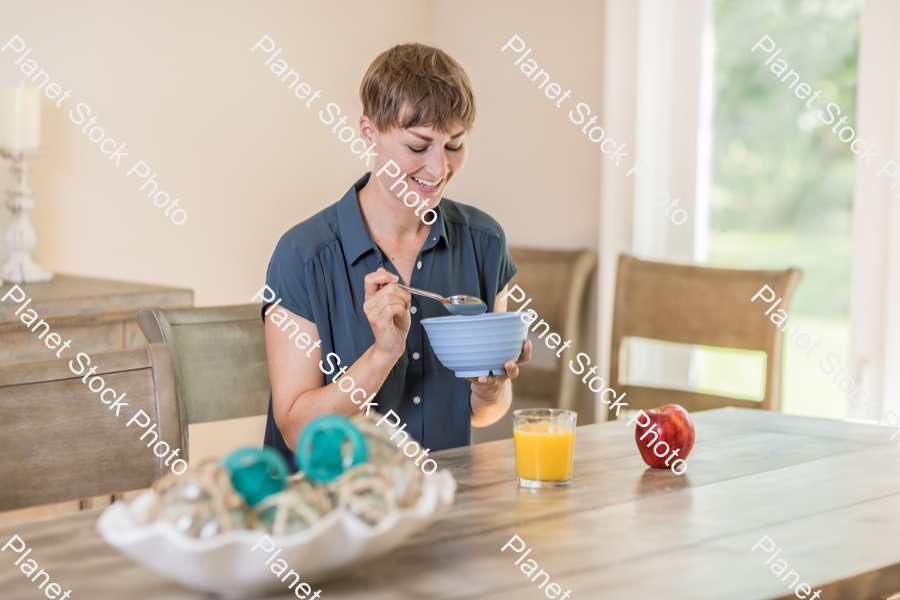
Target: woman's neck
column 388, row 219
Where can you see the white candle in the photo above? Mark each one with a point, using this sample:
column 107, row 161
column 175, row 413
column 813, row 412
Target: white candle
column 20, row 118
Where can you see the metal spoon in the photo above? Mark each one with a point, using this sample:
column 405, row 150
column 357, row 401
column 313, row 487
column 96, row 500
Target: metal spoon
column 458, row 305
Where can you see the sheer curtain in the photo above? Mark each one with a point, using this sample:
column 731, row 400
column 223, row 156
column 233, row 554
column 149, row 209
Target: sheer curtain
column 652, row 96
column 875, row 275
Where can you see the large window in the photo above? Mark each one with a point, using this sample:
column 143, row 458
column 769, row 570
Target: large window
column 782, row 182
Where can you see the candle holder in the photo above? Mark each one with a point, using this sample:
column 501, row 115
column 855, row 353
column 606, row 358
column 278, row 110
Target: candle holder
column 20, row 237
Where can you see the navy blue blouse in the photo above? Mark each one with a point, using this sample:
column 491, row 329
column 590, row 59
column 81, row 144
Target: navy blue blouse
column 318, row 269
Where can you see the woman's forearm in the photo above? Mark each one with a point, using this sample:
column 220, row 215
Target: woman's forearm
column 484, row 412
column 368, row 374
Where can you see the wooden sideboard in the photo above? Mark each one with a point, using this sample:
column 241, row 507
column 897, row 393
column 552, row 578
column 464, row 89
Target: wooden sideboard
column 97, row 314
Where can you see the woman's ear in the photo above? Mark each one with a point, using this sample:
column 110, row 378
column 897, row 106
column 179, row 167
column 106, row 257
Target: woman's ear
column 367, row 129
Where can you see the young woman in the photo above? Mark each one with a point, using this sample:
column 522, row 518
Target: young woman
column 336, row 272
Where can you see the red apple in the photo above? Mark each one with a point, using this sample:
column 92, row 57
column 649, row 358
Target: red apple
column 668, row 435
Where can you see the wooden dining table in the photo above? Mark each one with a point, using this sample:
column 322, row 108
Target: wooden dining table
column 826, row 493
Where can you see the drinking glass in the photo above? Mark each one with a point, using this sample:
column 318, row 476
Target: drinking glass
column 545, row 442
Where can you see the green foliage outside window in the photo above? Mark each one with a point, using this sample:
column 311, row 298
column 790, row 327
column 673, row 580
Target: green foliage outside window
column 782, row 182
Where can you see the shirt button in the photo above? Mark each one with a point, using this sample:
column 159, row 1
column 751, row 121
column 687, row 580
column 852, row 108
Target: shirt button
column 413, row 309
column 419, row 265
column 416, row 400
column 415, row 356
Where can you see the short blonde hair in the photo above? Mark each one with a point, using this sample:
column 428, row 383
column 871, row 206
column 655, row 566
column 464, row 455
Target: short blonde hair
column 412, row 85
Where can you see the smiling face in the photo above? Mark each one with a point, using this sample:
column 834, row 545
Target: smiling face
column 428, row 156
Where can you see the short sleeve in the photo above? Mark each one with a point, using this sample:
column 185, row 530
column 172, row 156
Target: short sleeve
column 506, row 269
column 286, row 277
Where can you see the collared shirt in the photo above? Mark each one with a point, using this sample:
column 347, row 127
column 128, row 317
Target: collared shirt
column 318, row 270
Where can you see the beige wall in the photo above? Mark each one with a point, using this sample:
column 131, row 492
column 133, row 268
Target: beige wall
column 177, row 82
column 529, row 166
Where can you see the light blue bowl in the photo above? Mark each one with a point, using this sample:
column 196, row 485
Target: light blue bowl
column 477, row 345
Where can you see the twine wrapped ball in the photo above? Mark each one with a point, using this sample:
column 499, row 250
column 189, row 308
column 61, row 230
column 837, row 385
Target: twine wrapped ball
column 296, row 508
column 200, row 502
column 256, row 473
column 400, row 472
column 387, row 481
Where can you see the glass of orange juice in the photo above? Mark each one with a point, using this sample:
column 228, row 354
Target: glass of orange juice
column 545, row 443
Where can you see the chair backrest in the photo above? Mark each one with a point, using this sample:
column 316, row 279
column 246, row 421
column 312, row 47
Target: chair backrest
column 707, row 306
column 59, row 442
column 558, row 283
column 219, row 354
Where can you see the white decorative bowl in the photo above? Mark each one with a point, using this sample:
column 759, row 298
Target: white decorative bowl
column 225, row 564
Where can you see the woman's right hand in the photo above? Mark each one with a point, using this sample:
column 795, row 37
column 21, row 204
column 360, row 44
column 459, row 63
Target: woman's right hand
column 387, row 308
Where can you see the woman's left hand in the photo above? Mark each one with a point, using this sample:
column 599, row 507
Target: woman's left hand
column 488, row 388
